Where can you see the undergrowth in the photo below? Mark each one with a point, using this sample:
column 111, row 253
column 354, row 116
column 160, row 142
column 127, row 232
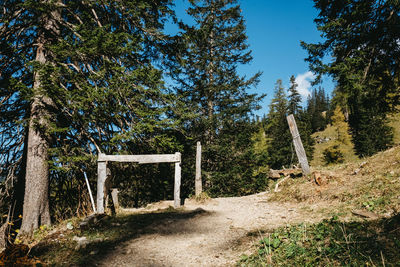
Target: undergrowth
column 330, row 243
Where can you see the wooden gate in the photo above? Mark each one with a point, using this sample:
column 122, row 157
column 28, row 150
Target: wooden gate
column 141, row 159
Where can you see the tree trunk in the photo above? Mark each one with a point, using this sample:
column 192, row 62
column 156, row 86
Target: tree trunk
column 36, row 198
column 210, row 132
column 36, row 201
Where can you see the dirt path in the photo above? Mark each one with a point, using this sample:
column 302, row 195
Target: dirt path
column 215, row 236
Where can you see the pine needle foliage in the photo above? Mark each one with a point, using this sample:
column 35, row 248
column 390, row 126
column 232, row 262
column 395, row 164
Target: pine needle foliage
column 362, row 38
column 280, row 148
column 213, row 97
column 106, row 92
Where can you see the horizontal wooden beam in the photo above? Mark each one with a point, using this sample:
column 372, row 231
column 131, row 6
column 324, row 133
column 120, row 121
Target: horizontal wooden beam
column 141, row 159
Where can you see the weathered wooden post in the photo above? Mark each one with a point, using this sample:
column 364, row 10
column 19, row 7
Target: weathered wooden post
column 177, row 185
column 114, row 196
column 298, row 145
column 101, row 179
column 198, row 185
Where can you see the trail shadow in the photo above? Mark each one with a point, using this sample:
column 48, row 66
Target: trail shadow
column 111, row 233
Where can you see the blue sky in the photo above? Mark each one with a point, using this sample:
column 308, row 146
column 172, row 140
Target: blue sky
column 275, row 29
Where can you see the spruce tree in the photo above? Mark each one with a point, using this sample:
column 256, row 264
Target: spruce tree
column 361, row 37
column 317, row 109
column 294, row 105
column 280, row 149
column 214, row 94
column 87, row 85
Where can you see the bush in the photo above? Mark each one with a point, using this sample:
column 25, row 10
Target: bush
column 333, row 155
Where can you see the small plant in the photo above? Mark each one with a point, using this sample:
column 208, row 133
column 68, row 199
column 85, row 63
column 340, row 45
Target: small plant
column 333, row 155
column 330, row 243
column 202, row 197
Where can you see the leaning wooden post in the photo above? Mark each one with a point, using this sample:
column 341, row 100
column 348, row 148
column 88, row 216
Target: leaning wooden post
column 298, row 145
column 177, row 185
column 198, row 185
column 90, row 192
column 101, row 179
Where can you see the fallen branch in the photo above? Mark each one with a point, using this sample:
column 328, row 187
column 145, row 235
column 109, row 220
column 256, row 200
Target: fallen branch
column 278, row 183
column 276, row 174
column 365, row 214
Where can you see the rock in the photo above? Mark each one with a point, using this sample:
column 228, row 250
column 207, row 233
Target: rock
column 274, row 174
column 91, row 220
column 70, row 226
column 81, row 242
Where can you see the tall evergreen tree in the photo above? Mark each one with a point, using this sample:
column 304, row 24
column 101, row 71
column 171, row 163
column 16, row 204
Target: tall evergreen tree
column 362, row 38
column 280, row 149
column 317, row 109
column 214, row 94
column 294, row 105
column 76, row 77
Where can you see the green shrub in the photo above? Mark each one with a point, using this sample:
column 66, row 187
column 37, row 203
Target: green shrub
column 333, row 154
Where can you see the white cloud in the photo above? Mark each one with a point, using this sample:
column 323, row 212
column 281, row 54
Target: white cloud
column 304, row 83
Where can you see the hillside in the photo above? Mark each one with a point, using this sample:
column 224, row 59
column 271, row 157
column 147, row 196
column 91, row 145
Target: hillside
column 327, row 138
column 369, row 188
column 223, row 231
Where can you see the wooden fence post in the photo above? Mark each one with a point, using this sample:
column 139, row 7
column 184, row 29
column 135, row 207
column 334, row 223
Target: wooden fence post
column 101, row 178
column 177, row 185
column 298, row 145
column 114, row 196
column 198, row 185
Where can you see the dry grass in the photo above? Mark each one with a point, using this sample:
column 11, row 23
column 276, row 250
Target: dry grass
column 372, row 184
column 329, row 133
column 394, row 122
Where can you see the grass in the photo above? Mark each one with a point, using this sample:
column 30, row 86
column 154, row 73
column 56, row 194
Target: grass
column 370, row 184
column 329, row 133
column 330, row 243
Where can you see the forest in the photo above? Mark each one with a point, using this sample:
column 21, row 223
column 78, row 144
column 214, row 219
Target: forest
column 80, row 78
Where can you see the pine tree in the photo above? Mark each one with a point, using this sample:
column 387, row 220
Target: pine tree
column 361, row 37
column 369, row 127
column 317, row 109
column 86, row 85
column 280, row 149
column 294, row 105
column 214, row 94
